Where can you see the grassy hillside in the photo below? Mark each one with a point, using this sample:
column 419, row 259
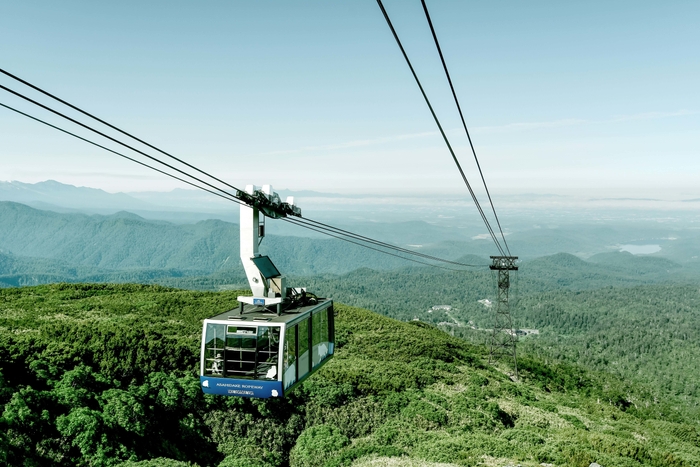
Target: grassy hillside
column 106, row 375
column 646, row 334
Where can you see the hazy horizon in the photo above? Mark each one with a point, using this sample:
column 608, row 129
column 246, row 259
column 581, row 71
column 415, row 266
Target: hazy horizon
column 315, row 96
column 434, row 208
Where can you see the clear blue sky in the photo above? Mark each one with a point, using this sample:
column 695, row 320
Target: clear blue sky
column 592, row 98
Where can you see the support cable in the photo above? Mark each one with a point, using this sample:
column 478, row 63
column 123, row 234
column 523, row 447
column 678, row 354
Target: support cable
column 379, row 243
column 37, row 88
column 442, row 132
column 325, row 229
column 294, row 220
column 121, row 155
column 464, row 124
column 302, row 222
column 112, row 139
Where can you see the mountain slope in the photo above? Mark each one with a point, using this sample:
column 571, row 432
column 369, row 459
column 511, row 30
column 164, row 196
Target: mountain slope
column 126, row 241
column 647, row 333
column 105, row 375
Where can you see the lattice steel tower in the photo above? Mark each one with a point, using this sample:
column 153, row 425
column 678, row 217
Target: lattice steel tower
column 503, row 338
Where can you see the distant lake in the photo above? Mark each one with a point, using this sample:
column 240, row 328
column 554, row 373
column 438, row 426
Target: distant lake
column 640, row 249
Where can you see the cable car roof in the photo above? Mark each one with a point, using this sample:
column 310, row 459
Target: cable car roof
column 260, row 315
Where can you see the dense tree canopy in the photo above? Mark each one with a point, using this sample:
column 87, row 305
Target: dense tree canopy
column 106, row 375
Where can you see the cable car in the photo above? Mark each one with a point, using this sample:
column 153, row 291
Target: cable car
column 262, row 354
column 275, row 339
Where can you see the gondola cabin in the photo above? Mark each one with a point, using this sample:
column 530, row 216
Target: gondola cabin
column 260, row 354
column 274, row 339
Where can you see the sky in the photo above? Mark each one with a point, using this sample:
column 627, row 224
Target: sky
column 593, row 99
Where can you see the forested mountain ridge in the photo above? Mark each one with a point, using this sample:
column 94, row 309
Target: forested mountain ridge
column 106, row 375
column 541, row 301
column 650, row 334
column 119, row 241
column 636, row 321
column 125, row 241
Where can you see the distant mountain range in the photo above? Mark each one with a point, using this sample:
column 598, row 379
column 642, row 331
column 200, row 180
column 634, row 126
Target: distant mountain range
column 50, row 231
column 372, row 214
column 177, row 205
column 42, row 241
column 52, row 194
column 39, row 246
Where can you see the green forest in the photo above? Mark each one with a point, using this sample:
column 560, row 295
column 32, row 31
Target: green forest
column 608, row 322
column 103, row 374
column 39, row 246
column 98, row 371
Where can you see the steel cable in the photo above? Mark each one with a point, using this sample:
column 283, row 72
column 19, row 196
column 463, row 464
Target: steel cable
column 118, row 153
column 294, row 220
column 464, row 123
column 383, row 244
column 37, row 88
column 442, row 132
column 302, row 222
column 111, row 138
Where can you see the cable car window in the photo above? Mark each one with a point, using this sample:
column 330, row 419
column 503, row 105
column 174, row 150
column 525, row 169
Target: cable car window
column 268, row 351
column 325, row 326
column 321, row 350
column 303, row 345
column 290, row 356
column 239, row 354
column 316, row 338
column 214, row 345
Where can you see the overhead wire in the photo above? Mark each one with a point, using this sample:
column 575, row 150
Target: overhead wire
column 320, row 230
column 386, row 245
column 325, row 231
column 464, row 123
column 302, row 222
column 56, row 112
column 119, row 154
column 442, row 132
column 37, row 88
column 294, row 220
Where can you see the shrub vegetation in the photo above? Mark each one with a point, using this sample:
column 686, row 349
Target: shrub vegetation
column 106, row 375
